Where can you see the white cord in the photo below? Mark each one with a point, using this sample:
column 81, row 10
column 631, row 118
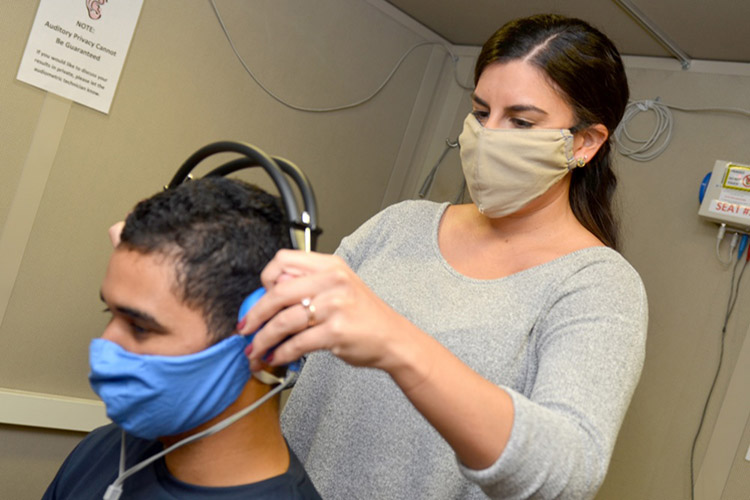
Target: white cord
column 718, row 253
column 454, row 58
column 732, row 244
column 738, row 111
column 719, row 238
column 115, row 489
column 651, row 147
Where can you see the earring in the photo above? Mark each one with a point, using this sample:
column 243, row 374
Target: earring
column 581, row 162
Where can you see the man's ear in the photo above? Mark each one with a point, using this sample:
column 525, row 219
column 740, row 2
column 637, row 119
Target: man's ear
column 114, row 233
column 587, row 142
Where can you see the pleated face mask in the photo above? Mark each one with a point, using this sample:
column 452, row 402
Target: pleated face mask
column 507, row 168
column 150, row 396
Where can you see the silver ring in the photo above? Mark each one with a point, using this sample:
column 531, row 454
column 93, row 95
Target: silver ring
column 310, row 310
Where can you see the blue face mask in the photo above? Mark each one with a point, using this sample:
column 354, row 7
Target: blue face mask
column 150, row 396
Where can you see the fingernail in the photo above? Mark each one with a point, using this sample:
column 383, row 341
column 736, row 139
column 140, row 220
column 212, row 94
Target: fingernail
column 268, row 358
column 241, row 324
column 249, row 350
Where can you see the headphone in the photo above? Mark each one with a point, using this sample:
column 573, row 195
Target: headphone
column 303, row 224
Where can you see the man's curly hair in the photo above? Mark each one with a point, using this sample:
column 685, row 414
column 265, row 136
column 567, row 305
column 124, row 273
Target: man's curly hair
column 220, row 234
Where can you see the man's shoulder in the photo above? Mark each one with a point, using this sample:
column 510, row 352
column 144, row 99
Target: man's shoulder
column 105, row 443
column 93, row 464
column 300, row 484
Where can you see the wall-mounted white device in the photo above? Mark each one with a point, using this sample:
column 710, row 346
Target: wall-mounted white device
column 725, row 195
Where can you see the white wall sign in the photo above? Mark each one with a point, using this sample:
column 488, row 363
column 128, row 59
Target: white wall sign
column 77, row 48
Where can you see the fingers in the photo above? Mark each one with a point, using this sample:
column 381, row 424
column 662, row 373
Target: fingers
column 290, row 277
column 290, row 350
column 310, row 311
column 285, row 294
column 296, row 263
column 290, row 319
column 285, row 327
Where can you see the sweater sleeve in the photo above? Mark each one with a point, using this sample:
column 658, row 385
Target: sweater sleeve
column 589, row 344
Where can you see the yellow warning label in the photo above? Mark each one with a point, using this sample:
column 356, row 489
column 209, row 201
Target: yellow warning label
column 737, row 177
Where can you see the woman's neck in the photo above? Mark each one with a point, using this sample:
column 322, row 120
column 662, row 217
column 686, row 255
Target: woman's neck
column 490, row 248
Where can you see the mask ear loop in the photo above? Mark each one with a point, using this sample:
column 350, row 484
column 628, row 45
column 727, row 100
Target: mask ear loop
column 267, row 378
column 114, row 490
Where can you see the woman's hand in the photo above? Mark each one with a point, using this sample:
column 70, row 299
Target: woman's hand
column 343, row 315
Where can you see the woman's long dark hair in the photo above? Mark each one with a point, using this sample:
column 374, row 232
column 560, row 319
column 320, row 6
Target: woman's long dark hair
column 586, row 68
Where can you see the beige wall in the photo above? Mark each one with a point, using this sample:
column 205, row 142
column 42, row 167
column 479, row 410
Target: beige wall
column 182, row 88
column 674, row 250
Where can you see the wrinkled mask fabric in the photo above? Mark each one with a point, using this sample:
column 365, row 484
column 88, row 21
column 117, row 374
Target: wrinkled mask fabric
column 507, row 168
column 151, row 396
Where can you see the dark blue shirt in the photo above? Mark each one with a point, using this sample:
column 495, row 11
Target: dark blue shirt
column 93, row 466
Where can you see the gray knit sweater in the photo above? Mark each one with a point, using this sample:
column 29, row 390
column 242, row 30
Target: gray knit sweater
column 565, row 339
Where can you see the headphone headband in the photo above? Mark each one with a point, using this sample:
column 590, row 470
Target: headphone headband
column 278, row 169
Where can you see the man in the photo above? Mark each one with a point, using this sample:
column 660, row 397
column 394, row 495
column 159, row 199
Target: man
column 170, row 365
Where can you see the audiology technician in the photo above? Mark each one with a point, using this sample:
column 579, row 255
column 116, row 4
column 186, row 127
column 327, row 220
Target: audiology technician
column 481, row 349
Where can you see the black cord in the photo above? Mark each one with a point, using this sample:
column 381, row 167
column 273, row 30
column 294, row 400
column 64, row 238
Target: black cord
column 736, row 292
column 733, row 293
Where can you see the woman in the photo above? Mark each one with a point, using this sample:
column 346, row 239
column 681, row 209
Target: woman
column 502, row 339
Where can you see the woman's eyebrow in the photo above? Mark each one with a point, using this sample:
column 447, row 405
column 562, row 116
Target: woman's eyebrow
column 525, row 107
column 479, row 100
column 516, row 108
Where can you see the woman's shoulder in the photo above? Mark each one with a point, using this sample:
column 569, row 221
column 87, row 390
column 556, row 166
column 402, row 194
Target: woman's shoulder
column 404, row 221
column 408, row 209
column 592, row 260
column 600, row 261
column 599, row 272
column 600, row 258
column 401, row 216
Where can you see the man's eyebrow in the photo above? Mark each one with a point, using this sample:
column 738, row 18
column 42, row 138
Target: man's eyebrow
column 136, row 314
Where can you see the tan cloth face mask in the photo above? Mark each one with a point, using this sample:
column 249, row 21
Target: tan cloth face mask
column 507, row 168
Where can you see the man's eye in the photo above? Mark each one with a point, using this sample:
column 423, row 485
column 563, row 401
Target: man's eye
column 138, row 330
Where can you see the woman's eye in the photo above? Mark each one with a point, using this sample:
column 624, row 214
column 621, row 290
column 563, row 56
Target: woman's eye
column 521, row 123
column 480, row 115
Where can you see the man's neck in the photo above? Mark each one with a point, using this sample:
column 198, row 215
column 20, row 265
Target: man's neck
column 250, row 450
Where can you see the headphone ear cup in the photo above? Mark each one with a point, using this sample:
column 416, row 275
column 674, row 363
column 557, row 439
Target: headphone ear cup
column 249, row 302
